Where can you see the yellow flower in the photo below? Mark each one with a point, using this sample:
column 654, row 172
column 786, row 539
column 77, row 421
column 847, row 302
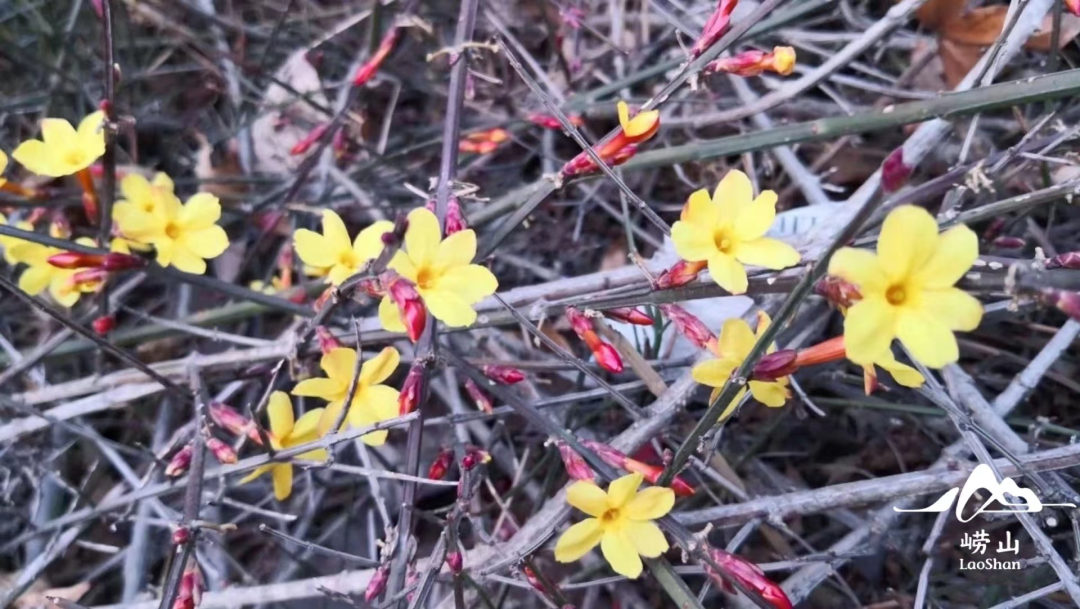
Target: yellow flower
column 621, row 523
column 736, row 342
column 9, row 244
column 3, row 167
column 143, row 195
column 286, row 432
column 333, row 251
column 727, row 231
column 901, row 373
column 907, row 289
column 371, row 403
column 643, row 124
column 441, row 270
column 183, row 235
column 41, row 275
column 62, row 150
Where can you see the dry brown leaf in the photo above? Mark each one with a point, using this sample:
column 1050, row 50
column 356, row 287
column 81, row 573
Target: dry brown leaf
column 37, row 596
column 1070, row 29
column 286, row 118
column 213, row 164
column 936, row 13
column 982, row 26
column 957, row 59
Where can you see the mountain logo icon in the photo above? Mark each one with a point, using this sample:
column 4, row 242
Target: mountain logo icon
column 982, row 478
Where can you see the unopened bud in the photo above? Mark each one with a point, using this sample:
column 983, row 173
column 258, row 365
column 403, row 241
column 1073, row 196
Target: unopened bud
column 386, row 45
column 831, row 350
column 894, row 172
column 455, row 561
column 749, row 575
column 377, row 583
column 1066, row 302
column 994, row 229
column 652, row 473
column 455, row 219
column 481, row 399
column 76, row 260
column 232, row 421
column 534, row 581
column 474, row 456
column 411, row 389
column 310, row 139
column 189, row 594
column 327, row 341
column 181, row 536
column 837, row 291
column 775, row 365
column 689, row 326
column 714, row 28
column 580, row 324
column 180, row 462
column 224, row 453
column 1010, row 243
column 628, row 315
column 503, row 375
column 89, row 277
column 575, row 465
column 410, row 305
column 1073, row 6
column 608, row 357
column 483, row 142
column 753, row 63
column 1068, row 260
column 441, row 464
column 548, row 121
column 680, row 274
column 104, row 324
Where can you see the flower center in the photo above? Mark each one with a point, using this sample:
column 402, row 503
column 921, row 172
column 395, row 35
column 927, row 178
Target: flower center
column 722, row 242
column 348, row 258
column 896, row 295
column 425, row 278
column 610, row 516
column 172, row 230
column 74, row 157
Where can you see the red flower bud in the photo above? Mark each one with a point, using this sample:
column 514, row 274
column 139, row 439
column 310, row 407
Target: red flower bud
column 232, row 421
column 894, row 172
column 1066, row 302
column 680, row 274
column 368, row 70
column 749, row 575
column 310, row 139
column 441, row 464
column 548, row 121
column 455, row 220
column 191, row 588
column 115, row 261
column 838, row 292
column 224, row 453
column 753, row 63
column 534, row 581
column 181, row 536
column 775, row 365
column 617, row 458
column 481, row 399
column 629, row 315
column 483, row 142
column 608, row 358
column 1068, row 260
column 715, row 27
column 104, row 324
column 327, row 341
column 994, row 229
column 580, row 324
column 1073, row 6
column 575, row 465
column 76, row 260
column 180, row 462
column 689, row 326
column 474, row 456
column 89, row 277
column 377, row 584
column 504, row 375
column 831, row 350
column 455, row 561
column 411, row 389
column 1010, row 243
column 410, row 306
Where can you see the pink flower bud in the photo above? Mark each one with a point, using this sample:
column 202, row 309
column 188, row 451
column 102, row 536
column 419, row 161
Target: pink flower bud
column 580, row 324
column 1073, row 6
column 411, row 389
column 548, row 121
column 753, row 63
column 689, row 325
column 377, row 584
column 455, row 561
column 441, row 464
column 180, row 462
column 504, row 375
column 386, row 45
column 327, row 341
column 715, row 27
column 410, row 306
column 652, row 473
column 232, row 421
column 455, row 220
column 224, row 453
column 1010, row 243
column 181, row 536
column 629, row 315
column 76, row 260
column 104, row 324
column 894, row 172
column 776, row 365
column 749, row 575
column 191, row 588
column 1068, row 260
column 680, row 274
column 310, row 139
column 608, row 358
column 481, row 399
column 474, row 456
column 831, row 350
column 575, row 466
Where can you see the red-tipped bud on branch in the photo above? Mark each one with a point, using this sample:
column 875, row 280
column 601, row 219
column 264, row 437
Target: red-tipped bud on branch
column 410, row 305
column 680, row 274
column 224, row 453
column 894, row 171
column 838, row 292
column 1012, row 243
column 606, row 356
column 652, row 473
column 327, row 341
column 481, row 399
column 548, row 121
column 377, row 585
column 104, row 324
column 690, row 326
column 474, row 456
column 503, row 375
column 753, row 63
column 180, row 462
column 1066, row 302
column 365, row 72
column 113, row 261
column 441, row 464
column 455, row 219
column 232, row 421
column 776, row 365
column 1068, row 260
column 629, row 315
column 411, row 389
column 831, row 350
column 189, row 594
column 748, row 574
column 310, row 139
column 714, row 28
column 455, row 561
column 483, row 142
column 575, row 465
column 181, row 536
column 1073, row 6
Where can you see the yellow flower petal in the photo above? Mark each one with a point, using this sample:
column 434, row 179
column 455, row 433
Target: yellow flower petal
column 765, row 252
column 390, row 316
column 319, row 454
column 403, row 265
column 955, row 308
column 860, row 267
column 187, row 261
column 578, row 540
column 164, row 250
column 772, row 395
column 957, row 249
column 339, row 364
column 692, row 243
column 701, row 211
column 728, row 273
column 908, row 238
column 621, row 554
column 733, row 194
column 327, row 389
column 62, row 291
column 651, row 503
column 283, row 476
column 714, row 372
column 472, row 282
column 380, row 367
column 163, row 182
column 901, row 373
column 35, row 156
column 330, row 414
column 337, row 236
column 622, row 490
column 757, row 217
column 3, row 167
column 202, row 210
column 647, row 538
column 736, row 339
column 35, row 279
column 306, row 428
column 456, row 250
column 280, row 412
column 262, row 469
column 368, row 244
column 588, row 498
column 422, row 237
column 136, row 190
column 340, row 272
column 449, row 308
column 59, row 132
column 868, row 329
column 207, row 243
column 929, row 340
column 91, row 134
